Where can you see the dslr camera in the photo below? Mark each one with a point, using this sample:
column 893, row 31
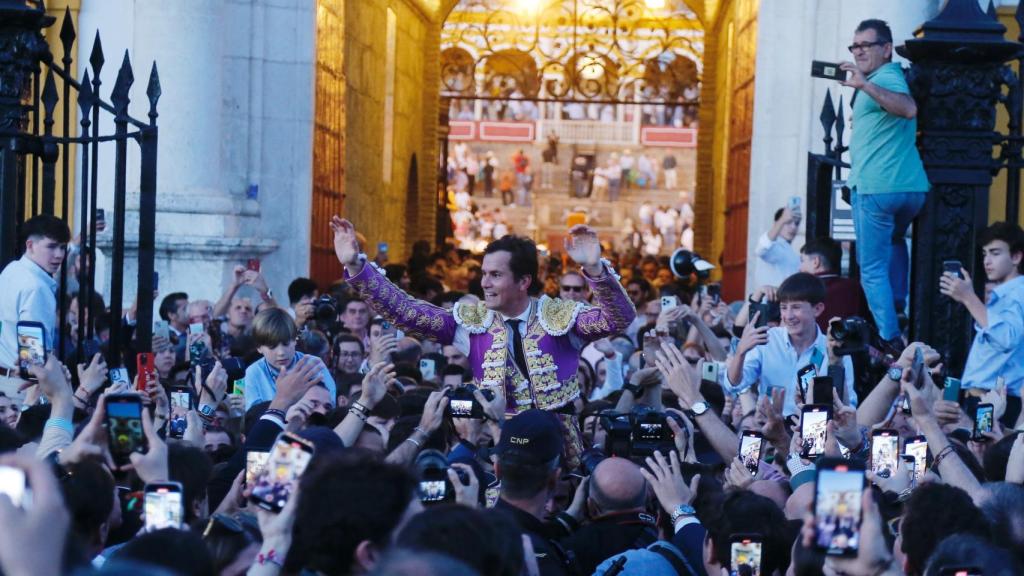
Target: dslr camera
column 325, row 309
column 462, row 403
column 636, row 435
column 434, row 487
column 852, row 335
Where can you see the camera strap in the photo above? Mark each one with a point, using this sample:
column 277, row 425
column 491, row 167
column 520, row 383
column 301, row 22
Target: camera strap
column 674, row 557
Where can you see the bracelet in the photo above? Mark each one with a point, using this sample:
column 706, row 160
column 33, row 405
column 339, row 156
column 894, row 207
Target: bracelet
column 274, row 412
column 416, row 442
column 358, row 414
column 270, row 557
column 360, row 408
column 421, row 431
column 942, row 454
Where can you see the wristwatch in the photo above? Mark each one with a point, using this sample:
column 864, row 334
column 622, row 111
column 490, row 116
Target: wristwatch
column 699, row 408
column 635, row 389
column 682, row 510
column 207, row 410
column 895, row 373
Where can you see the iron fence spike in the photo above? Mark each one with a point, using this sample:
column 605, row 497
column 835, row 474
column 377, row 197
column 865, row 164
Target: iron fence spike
column 992, row 10
column 125, row 79
column 67, row 32
column 49, row 97
column 85, row 95
column 828, row 114
column 96, row 56
column 153, row 90
column 1019, row 17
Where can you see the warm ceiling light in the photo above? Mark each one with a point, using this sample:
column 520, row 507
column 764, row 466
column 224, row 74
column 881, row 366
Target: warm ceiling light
column 530, row 6
column 655, row 4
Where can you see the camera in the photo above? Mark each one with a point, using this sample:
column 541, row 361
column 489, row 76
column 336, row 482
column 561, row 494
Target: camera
column 462, row 403
column 234, row 367
column 685, row 263
column 325, row 309
column 434, row 487
column 851, row 334
column 636, row 435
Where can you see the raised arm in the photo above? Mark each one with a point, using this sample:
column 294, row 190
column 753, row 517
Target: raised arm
column 415, row 317
column 613, row 311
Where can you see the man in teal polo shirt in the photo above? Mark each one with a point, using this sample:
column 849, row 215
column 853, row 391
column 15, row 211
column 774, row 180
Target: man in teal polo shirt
column 887, row 179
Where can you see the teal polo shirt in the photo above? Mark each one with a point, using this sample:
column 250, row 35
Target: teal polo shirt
column 883, row 151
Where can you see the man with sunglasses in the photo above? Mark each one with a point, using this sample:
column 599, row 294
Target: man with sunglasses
column 573, row 287
column 887, row 180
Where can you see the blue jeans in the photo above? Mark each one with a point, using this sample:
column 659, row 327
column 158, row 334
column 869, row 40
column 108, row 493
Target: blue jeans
column 881, row 222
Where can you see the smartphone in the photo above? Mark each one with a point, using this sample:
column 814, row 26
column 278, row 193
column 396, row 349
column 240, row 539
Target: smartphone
column 119, row 375
column 182, row 400
column 89, row 350
column 745, row 555
column 953, row 267
column 885, row 448
column 145, row 369
column 961, row 571
column 156, row 280
column 124, row 426
column 387, row 328
column 918, row 368
column 651, row 345
column 163, row 505
column 794, row 204
column 101, row 215
column 804, row 379
column 751, row 442
column 917, row 447
column 238, row 387
column 14, row 484
column 984, row 414
column 669, row 302
column 714, row 292
column 762, row 320
column 255, row 463
column 709, row 372
column 813, row 421
column 253, row 264
column 909, row 462
column 434, row 486
column 162, row 329
column 823, row 387
column 428, row 368
column 827, row 70
column 382, row 247
column 951, row 390
column 31, row 346
column 288, row 459
column 196, row 328
column 838, row 494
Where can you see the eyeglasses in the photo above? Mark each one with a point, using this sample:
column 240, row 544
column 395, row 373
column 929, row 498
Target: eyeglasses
column 864, row 46
column 572, row 288
column 224, row 521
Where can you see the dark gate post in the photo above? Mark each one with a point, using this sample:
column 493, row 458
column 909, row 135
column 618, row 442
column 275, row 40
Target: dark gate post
column 22, row 46
column 958, row 62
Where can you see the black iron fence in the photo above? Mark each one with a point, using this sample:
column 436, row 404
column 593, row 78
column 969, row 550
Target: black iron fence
column 31, row 153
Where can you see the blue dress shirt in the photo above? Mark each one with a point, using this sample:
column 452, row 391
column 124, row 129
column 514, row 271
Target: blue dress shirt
column 261, row 381
column 999, row 349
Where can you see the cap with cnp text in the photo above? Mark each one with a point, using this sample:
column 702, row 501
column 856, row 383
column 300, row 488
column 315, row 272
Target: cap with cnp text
column 533, row 437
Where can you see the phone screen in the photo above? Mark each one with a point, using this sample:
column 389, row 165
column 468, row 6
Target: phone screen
column 837, row 509
column 649, row 432
column 918, row 448
column 255, row 463
column 181, row 403
column 14, row 485
column 163, row 507
column 119, row 376
column 745, row 556
column 812, row 429
column 433, row 487
column 238, row 388
column 750, row 451
column 983, row 417
column 805, row 377
column 31, row 347
column 287, row 461
column 124, row 424
column 885, row 449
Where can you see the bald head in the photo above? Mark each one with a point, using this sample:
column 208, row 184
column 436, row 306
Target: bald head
column 617, row 485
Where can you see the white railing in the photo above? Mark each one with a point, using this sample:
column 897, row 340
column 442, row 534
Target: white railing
column 590, row 132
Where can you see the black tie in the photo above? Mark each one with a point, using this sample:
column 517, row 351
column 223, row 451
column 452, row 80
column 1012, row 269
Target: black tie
column 517, row 348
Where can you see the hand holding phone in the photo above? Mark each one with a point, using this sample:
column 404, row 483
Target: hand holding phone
column 288, row 460
column 885, row 449
column 954, row 267
column 163, row 506
column 124, row 426
column 838, row 499
column 984, row 417
column 751, row 443
column 745, row 555
column 813, row 427
column 31, row 347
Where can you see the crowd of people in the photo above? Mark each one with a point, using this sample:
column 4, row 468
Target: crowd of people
column 511, row 413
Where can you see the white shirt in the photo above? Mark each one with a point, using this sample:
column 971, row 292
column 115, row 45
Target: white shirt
column 776, row 261
column 27, row 293
column 775, row 364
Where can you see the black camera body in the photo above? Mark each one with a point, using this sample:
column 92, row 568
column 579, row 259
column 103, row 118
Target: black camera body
column 462, row 403
column 636, row 435
column 852, row 335
column 434, row 487
column 325, row 309
column 770, row 312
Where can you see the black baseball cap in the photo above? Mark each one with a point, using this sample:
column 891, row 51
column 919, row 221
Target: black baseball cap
column 532, row 437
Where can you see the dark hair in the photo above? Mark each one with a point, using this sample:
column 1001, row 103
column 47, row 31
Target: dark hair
column 802, row 287
column 522, row 258
column 300, row 288
column 399, row 561
column 1007, row 232
column 970, row 550
column 313, row 342
column 778, row 214
column 180, row 551
column 484, row 539
column 423, row 284
column 996, row 456
column 449, row 297
column 89, row 496
column 404, row 427
column 224, row 541
column 828, row 250
column 191, row 466
column 395, row 272
column 347, row 337
column 882, row 30
column 273, row 327
column 345, row 499
column 933, row 512
column 453, row 370
column 1003, row 506
column 170, row 304
column 743, row 512
column 521, row 481
column 46, row 226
